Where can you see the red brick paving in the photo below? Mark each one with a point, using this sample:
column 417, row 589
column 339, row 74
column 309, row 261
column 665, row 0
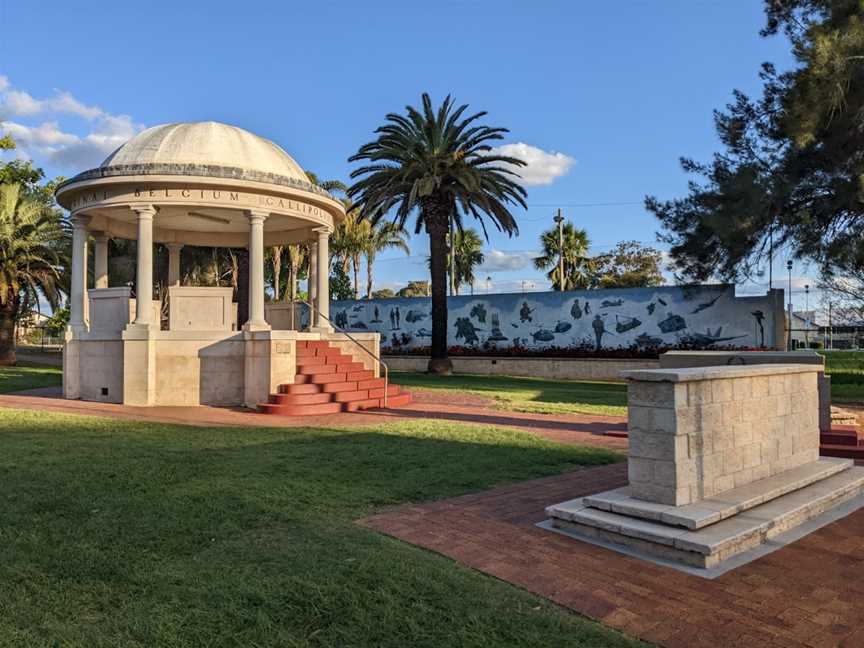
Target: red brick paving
column 809, row 593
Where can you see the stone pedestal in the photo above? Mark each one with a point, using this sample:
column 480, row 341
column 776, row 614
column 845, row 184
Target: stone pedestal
column 706, row 445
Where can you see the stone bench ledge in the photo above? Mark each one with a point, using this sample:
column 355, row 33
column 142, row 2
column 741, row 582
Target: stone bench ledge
column 716, row 373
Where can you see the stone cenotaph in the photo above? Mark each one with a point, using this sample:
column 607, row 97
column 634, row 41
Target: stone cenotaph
column 721, row 460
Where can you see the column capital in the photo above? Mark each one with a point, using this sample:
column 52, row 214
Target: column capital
column 257, row 215
column 100, row 237
column 144, row 211
column 322, row 231
column 174, row 246
column 80, row 221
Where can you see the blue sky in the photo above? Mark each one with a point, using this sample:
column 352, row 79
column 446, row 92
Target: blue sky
column 606, row 95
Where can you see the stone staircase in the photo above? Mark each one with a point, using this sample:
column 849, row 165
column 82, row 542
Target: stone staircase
column 842, row 441
column 329, row 381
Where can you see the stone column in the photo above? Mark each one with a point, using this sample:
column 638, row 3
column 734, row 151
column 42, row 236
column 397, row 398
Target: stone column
column 174, row 263
column 100, row 264
column 323, row 277
column 144, row 282
column 78, row 292
column 313, row 277
column 256, row 271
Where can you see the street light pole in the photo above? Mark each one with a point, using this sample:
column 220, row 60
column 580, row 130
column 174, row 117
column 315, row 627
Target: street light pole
column 789, row 341
column 560, row 220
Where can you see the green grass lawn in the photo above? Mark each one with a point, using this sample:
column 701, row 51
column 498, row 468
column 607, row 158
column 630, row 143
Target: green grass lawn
column 529, row 394
column 123, row 534
column 847, row 375
column 28, row 377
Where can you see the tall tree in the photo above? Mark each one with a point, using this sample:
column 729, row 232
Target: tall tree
column 791, row 171
column 578, row 265
column 380, row 237
column 438, row 164
column 31, row 260
column 629, row 265
column 467, row 248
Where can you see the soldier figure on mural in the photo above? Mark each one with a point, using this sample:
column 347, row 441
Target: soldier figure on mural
column 599, row 329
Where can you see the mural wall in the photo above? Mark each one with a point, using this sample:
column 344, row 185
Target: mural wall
column 695, row 317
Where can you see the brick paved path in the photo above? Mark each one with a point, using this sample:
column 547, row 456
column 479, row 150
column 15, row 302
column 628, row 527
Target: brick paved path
column 809, row 593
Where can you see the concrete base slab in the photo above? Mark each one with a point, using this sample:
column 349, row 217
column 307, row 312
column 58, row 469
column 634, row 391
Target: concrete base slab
column 714, row 509
column 745, row 557
column 709, row 546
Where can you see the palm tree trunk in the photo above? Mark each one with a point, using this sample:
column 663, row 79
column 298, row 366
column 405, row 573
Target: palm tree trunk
column 8, row 314
column 277, row 271
column 436, row 219
column 370, row 261
column 242, row 287
column 356, row 262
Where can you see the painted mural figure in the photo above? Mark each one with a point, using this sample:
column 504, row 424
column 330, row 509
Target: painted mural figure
column 587, row 308
column 525, row 313
column 479, row 311
column 466, row 330
column 563, row 327
column 497, row 335
column 623, row 327
column 543, row 335
column 341, row 319
column 651, row 308
column 377, row 318
column 392, row 319
column 611, row 303
column 662, row 302
column 672, row 323
column 705, row 305
column 575, row 310
column 414, row 316
column 599, row 329
column 398, row 315
column 708, row 338
column 760, row 324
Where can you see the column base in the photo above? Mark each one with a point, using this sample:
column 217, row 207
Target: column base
column 256, row 326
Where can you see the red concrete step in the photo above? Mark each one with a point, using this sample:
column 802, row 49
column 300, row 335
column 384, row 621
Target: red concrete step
column 305, row 352
column 301, row 410
column 361, row 375
column 375, row 383
column 333, row 388
column 373, row 403
column 300, row 399
column 392, row 390
column 316, row 344
column 844, row 451
column 325, row 378
column 300, row 388
column 351, row 396
column 316, row 368
column 336, row 358
column 838, row 437
column 350, row 367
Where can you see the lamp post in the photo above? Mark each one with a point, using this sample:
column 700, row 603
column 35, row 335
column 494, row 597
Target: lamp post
column 789, row 268
column 560, row 220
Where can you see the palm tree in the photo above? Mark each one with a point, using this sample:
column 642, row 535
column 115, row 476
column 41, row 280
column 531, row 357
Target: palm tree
column 381, row 237
column 466, row 248
column 31, row 260
column 346, row 243
column 440, row 165
column 578, row 266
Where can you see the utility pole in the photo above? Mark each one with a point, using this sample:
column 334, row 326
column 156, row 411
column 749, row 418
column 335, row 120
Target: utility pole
column 789, row 342
column 807, row 315
column 830, row 328
column 560, row 220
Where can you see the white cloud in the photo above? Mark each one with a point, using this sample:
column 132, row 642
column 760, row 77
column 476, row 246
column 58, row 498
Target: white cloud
column 501, row 261
column 48, row 141
column 542, row 167
column 19, row 104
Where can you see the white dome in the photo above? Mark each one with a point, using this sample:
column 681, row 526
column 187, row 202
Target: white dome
column 205, row 144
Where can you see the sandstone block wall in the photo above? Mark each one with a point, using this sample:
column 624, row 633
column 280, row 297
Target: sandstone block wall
column 695, row 433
